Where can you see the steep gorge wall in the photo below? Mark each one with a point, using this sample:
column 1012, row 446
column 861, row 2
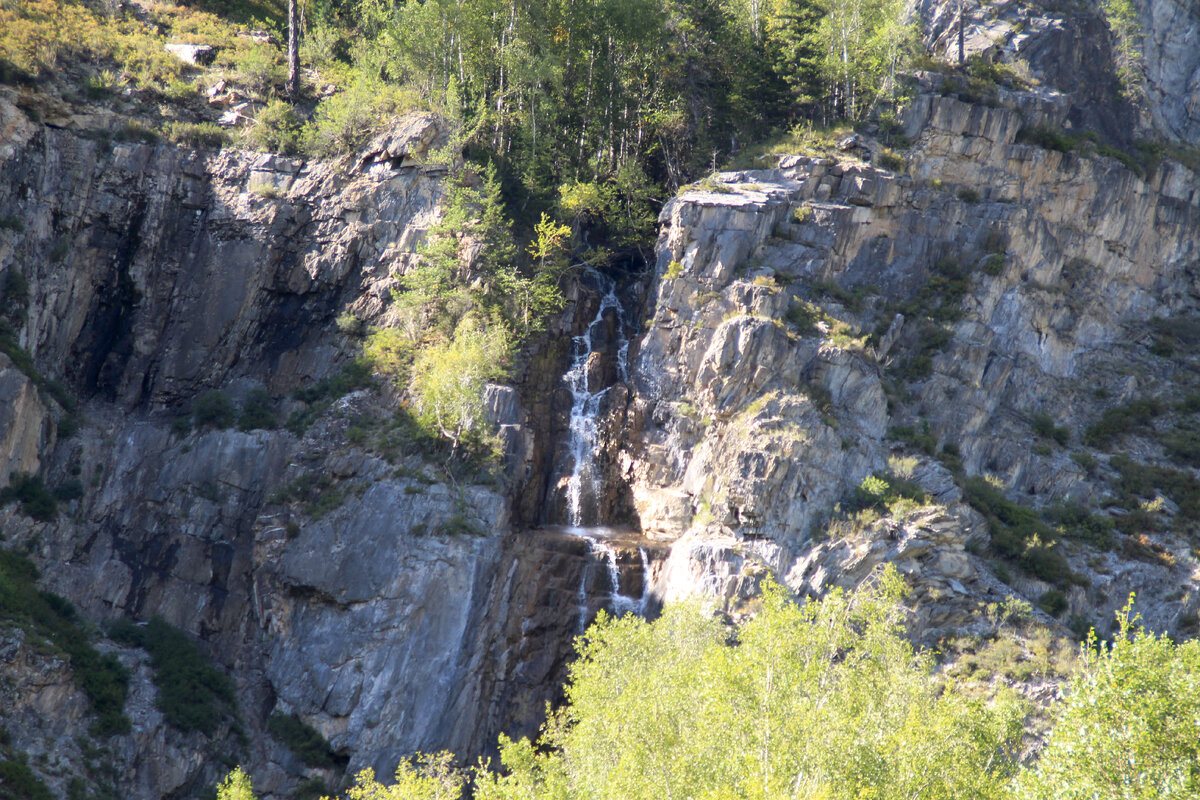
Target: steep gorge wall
column 319, row 567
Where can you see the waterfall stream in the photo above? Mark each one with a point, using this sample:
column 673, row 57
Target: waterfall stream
column 584, row 483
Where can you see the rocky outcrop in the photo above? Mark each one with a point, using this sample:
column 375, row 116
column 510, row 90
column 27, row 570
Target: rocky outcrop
column 1002, row 281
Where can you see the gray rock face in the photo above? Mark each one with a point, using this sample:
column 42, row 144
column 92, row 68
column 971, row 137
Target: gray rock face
column 1171, row 46
column 750, row 418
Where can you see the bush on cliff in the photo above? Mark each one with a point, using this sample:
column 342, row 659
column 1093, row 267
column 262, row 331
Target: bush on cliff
column 192, row 693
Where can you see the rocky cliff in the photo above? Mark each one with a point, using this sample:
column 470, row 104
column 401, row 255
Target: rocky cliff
column 972, row 357
column 985, row 306
column 328, row 567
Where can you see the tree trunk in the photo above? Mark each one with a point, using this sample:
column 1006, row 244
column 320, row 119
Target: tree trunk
column 293, row 53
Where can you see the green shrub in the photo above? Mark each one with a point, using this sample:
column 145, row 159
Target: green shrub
column 53, row 619
column 276, row 129
column 1018, row 533
column 1079, row 625
column 1132, row 418
column 136, row 131
column 1183, row 445
column 1053, row 602
column 192, row 693
column 921, row 437
column 349, row 118
column 1174, row 333
column 969, row 195
column 201, row 135
column 1077, row 522
column 1043, row 425
column 214, row 409
column 891, row 161
column 1047, row 138
column 62, row 246
column 1085, row 460
column 259, row 68
column 881, row 490
column 311, row 789
column 993, row 264
column 354, row 376
column 1142, row 481
column 258, row 412
column 18, row 781
column 35, row 499
column 350, row 325
column 68, row 490
column 461, row 525
column 829, row 691
column 10, row 223
column 302, row 739
column 317, row 493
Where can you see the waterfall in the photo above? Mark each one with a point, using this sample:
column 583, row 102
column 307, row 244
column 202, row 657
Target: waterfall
column 618, row 602
column 583, row 484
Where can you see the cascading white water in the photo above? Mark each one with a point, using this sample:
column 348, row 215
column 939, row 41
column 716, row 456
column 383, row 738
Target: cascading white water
column 620, row 604
column 582, row 433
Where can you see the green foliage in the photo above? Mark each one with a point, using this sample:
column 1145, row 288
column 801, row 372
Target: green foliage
column 1133, row 418
column 1076, row 522
column 825, row 699
column 18, row 781
column 203, row 135
column 464, row 306
column 920, row 437
column 881, row 491
column 236, row 786
column 345, row 121
column 316, row 492
column 1053, row 602
column 213, row 409
column 259, row 68
column 276, row 128
column 1018, row 533
column 354, row 376
column 35, row 499
column 1123, row 22
column 302, row 739
column 54, row 620
column 423, row 777
column 192, row 693
column 1127, row 726
column 449, row 378
column 993, row 264
column 1142, row 481
column 1174, row 333
column 1047, row 138
column 258, row 411
column 1043, row 425
column 892, row 161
